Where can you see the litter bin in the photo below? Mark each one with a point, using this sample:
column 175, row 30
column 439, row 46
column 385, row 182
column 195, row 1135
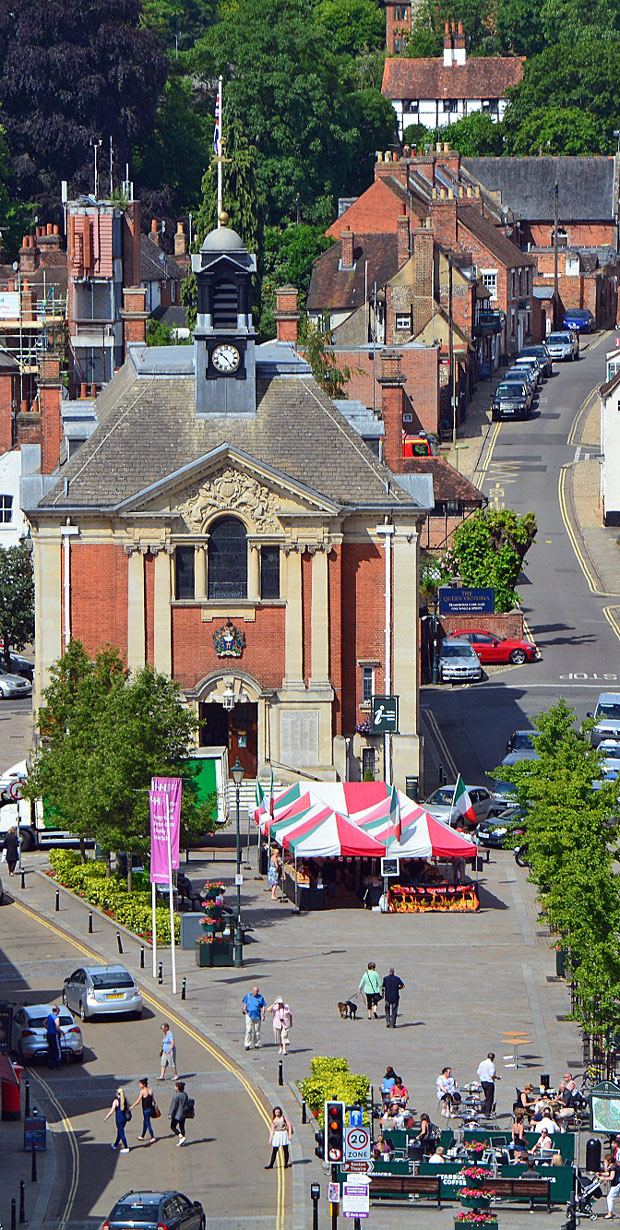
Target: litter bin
column 593, row 1154
column 412, row 785
column 12, row 1097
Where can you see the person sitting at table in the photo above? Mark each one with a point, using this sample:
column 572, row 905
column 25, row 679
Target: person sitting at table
column 428, row 1135
column 399, row 1092
column 447, row 1091
column 544, row 1144
column 393, row 1117
column 438, row 1156
column 546, row 1122
column 530, row 1172
column 387, row 1083
column 518, row 1132
column 527, row 1100
column 382, row 1148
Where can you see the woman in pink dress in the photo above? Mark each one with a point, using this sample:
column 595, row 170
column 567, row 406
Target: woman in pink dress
column 282, row 1021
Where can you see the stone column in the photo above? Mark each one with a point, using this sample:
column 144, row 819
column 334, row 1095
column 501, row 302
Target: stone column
column 253, row 572
column 200, row 572
column 319, row 633
column 48, row 585
column 162, row 621
column 405, row 624
column 294, row 634
column 136, row 630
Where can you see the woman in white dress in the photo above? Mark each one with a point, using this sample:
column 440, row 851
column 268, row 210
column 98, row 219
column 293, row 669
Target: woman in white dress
column 280, row 1133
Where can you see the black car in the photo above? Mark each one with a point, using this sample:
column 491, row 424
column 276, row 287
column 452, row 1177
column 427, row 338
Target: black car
column 511, row 400
column 506, row 831
column 156, row 1211
column 542, row 354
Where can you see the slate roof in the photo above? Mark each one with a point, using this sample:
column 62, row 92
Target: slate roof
column 335, row 288
column 587, row 188
column 479, row 77
column 148, row 430
column 492, row 237
column 152, row 269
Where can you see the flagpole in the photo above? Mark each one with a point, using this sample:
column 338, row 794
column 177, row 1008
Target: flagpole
column 171, row 898
column 454, row 795
column 220, row 179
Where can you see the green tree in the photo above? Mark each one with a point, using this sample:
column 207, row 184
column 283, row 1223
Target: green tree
column 353, row 26
column 475, row 136
column 178, row 23
column 519, row 27
column 16, row 599
column 557, row 130
column 489, row 550
column 104, row 734
column 478, row 17
column 170, row 165
column 580, row 72
column 288, row 257
column 315, row 343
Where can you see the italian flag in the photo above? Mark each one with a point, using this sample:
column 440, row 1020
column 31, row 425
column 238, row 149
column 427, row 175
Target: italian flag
column 395, row 813
column 461, row 803
column 260, row 797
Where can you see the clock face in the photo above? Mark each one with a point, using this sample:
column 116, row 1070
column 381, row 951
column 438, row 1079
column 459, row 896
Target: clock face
column 225, row 357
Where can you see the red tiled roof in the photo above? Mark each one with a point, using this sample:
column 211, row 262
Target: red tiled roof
column 492, row 237
column 334, row 288
column 479, row 77
column 448, row 483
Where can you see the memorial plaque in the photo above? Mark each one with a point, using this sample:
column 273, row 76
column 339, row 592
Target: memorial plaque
column 299, row 737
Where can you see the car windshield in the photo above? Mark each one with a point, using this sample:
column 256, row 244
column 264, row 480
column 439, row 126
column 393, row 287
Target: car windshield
column 506, row 390
column 522, row 741
column 441, row 797
column 504, row 788
column 611, row 753
column 608, row 712
column 135, row 1212
column 457, row 649
column 106, row 981
column 556, row 339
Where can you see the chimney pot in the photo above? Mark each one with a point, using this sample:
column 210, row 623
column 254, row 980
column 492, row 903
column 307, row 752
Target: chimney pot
column 460, row 27
column 453, row 27
column 447, row 29
column 93, row 390
column 24, row 406
column 26, row 285
column 153, row 224
column 56, row 229
column 49, row 230
column 446, row 147
column 83, row 390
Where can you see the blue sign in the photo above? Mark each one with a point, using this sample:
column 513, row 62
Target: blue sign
column 355, row 1117
column 466, row 601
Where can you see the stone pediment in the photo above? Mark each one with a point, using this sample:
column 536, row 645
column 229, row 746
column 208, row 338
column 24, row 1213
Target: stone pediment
column 232, row 490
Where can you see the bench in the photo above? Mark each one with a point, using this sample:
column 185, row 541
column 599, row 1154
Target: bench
column 405, row 1185
column 527, row 1189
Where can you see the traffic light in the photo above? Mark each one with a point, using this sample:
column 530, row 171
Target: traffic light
column 320, row 1144
column 334, row 1132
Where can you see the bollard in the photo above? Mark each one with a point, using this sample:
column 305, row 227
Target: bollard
column 33, row 1166
column 119, row 942
column 142, row 957
column 22, row 1202
column 13, row 1213
column 90, row 922
column 304, row 1113
column 57, row 906
column 184, row 989
column 26, row 1099
column 280, row 1073
column 160, row 973
column 23, row 875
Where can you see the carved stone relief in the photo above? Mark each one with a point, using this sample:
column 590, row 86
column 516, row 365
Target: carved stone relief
column 232, row 491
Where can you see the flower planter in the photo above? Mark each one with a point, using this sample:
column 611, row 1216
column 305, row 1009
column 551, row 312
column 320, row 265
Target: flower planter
column 214, row 927
column 222, row 952
column 483, row 1225
column 204, row 954
column 475, row 1202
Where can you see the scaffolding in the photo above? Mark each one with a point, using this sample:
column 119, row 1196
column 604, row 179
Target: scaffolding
column 31, row 327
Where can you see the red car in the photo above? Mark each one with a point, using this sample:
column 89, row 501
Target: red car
column 495, row 649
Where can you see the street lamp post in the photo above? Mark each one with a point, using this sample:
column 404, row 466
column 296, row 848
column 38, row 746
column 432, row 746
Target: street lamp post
column 237, row 775
column 435, row 663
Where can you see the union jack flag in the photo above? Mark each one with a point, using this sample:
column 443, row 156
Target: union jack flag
column 218, row 121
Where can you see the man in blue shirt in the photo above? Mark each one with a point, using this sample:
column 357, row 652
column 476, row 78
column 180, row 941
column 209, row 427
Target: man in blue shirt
column 392, row 986
column 52, row 1029
column 254, row 1011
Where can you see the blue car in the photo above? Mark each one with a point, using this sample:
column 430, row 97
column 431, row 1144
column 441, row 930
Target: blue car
column 579, row 319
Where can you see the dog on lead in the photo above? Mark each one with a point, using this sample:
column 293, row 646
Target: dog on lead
column 347, row 1010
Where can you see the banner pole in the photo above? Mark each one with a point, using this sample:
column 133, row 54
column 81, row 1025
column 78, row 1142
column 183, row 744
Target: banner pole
column 172, row 947
column 154, row 927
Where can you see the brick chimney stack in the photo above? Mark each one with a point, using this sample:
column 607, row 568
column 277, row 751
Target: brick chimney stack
column 134, row 314
column 459, row 54
column 346, row 249
column 448, row 55
column 28, row 255
column 180, row 241
column 286, row 314
column 49, row 237
column 392, row 383
column 404, row 238
column 444, row 217
column 154, row 233
column 423, row 275
column 50, row 385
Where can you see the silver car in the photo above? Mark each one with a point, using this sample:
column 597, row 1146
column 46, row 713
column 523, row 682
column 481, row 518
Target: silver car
column 441, row 804
column 458, row 662
column 101, row 990
column 29, row 1034
column 12, row 686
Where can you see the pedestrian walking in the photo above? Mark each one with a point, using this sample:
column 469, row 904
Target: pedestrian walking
column 253, row 1008
column 52, row 1029
column 168, row 1053
column 122, row 1115
column 282, row 1022
column 178, row 1112
column 392, row 987
column 280, row 1132
column 370, row 986
column 11, row 849
column 146, row 1101
column 487, row 1075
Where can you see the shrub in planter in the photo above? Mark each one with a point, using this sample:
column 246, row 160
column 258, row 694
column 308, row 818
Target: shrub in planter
column 330, row 1078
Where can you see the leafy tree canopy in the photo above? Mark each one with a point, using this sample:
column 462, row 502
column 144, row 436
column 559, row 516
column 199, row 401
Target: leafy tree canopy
column 70, row 74
column 315, row 343
column 16, row 598
column 354, row 26
column 580, row 73
column 489, row 550
column 478, row 17
column 288, row 258
column 559, row 130
column 170, row 164
column 475, row 136
column 178, row 23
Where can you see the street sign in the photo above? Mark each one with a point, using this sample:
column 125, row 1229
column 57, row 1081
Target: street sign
column 357, row 1144
column 390, row 867
column 358, row 1167
column 355, row 1199
column 384, row 715
column 466, row 601
column 35, row 1132
column 355, row 1116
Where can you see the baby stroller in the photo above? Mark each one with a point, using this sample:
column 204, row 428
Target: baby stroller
column 587, row 1191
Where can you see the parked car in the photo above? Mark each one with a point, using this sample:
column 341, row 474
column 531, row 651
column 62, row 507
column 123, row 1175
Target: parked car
column 530, row 367
column 507, row 830
column 29, row 1035
column 580, row 320
column 611, row 752
column 169, row 1210
column 419, row 444
column 542, row 354
column 458, row 662
column 18, row 664
column 511, row 401
column 13, row 686
column 497, row 649
column 503, row 794
column 101, row 990
column 439, row 804
column 520, row 747
column 524, row 374
column 563, row 345
column 606, row 718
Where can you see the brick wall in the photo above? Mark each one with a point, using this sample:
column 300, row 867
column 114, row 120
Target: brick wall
column 6, row 411
column 193, row 654
column 99, row 595
column 420, row 366
column 363, row 620
column 509, row 625
column 580, row 234
column 376, row 211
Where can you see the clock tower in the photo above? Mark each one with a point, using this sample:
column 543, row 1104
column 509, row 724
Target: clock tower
column 224, row 337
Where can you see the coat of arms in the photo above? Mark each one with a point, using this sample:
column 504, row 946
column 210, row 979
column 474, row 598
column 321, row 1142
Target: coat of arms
column 228, row 641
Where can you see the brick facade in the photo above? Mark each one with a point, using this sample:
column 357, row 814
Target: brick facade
column 99, row 595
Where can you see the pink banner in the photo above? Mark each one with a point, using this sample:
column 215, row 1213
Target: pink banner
column 165, row 803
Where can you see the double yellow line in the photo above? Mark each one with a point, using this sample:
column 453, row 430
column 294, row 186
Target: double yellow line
column 218, row 1055
column 589, row 575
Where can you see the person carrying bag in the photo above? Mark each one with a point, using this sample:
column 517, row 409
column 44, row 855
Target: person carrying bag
column 370, row 986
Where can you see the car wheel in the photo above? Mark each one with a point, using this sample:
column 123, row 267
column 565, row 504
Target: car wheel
column 27, row 840
column 82, row 1012
column 64, row 998
column 518, row 657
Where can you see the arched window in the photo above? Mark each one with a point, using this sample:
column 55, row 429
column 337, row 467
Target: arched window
column 228, row 559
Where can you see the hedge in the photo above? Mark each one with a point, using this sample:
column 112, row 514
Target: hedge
column 331, row 1080
column 109, row 893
